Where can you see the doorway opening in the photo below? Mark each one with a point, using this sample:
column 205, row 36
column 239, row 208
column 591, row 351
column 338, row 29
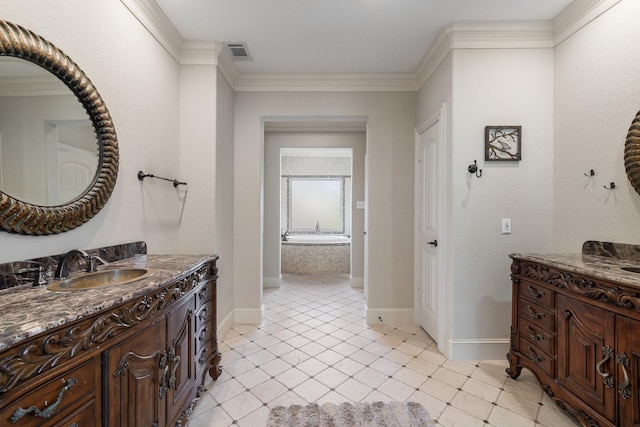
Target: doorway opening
column 314, row 199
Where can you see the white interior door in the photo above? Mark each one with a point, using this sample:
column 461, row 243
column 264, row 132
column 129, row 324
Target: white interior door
column 427, row 250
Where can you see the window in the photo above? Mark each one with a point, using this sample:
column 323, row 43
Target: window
column 316, row 204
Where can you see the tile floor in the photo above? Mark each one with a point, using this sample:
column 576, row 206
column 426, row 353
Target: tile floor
column 314, row 346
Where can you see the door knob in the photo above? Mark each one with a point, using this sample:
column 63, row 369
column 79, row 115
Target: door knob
column 433, row 243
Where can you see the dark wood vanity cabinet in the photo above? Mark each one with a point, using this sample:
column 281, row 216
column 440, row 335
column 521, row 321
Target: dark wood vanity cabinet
column 580, row 336
column 140, row 364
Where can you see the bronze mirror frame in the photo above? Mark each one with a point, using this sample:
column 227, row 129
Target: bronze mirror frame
column 632, row 153
column 24, row 218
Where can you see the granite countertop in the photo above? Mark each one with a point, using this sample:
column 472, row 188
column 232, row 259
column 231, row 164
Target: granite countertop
column 596, row 266
column 27, row 310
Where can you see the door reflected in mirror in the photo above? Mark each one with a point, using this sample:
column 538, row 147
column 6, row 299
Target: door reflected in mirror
column 48, row 146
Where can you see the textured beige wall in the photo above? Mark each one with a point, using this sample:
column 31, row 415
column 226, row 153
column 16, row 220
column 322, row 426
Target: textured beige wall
column 597, row 95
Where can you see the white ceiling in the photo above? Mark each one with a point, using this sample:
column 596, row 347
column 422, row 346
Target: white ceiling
column 339, row 36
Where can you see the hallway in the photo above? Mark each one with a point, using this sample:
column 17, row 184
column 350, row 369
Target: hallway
column 314, row 346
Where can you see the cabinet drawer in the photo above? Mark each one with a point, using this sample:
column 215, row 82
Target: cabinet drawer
column 202, row 358
column 538, row 357
column 537, row 336
column 203, row 336
column 204, row 294
column 57, row 398
column 84, row 416
column 536, row 314
column 536, row 293
column 203, row 316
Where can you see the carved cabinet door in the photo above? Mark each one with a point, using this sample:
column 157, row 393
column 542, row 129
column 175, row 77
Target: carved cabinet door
column 180, row 355
column 135, row 377
column 628, row 371
column 586, row 342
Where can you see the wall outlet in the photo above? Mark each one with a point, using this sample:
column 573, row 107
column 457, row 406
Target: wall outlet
column 506, row 225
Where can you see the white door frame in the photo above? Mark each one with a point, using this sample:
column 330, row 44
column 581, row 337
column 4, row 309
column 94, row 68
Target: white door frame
column 439, row 115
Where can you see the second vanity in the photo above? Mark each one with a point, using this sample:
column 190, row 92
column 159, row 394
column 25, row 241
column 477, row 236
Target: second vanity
column 576, row 326
column 135, row 354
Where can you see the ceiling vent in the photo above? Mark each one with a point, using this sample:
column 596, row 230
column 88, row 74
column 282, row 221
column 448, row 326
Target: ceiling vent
column 238, row 51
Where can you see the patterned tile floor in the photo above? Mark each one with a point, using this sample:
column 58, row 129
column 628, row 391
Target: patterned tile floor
column 314, row 346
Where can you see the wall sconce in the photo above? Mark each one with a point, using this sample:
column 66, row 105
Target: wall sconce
column 474, row 169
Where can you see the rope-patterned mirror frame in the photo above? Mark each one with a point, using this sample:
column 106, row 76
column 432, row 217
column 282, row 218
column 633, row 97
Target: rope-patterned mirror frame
column 25, row 218
column 632, row 153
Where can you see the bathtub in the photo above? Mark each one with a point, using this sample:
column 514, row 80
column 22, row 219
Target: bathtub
column 317, row 239
column 316, row 254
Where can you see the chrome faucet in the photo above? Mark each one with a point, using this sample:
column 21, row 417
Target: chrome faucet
column 62, row 271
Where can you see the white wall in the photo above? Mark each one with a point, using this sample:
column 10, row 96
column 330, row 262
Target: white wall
column 138, row 81
column 491, row 87
column 597, row 95
column 390, row 123
column 224, row 202
column 497, row 87
column 198, row 119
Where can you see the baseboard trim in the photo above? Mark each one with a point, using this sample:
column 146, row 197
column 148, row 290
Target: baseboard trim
column 477, row 349
column 357, row 282
column 272, row 282
column 389, row 316
column 248, row 316
column 225, row 325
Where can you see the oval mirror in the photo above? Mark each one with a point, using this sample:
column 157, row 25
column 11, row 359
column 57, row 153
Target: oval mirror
column 58, row 146
column 632, row 153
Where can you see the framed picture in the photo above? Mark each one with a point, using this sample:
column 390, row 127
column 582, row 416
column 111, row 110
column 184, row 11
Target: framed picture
column 503, row 143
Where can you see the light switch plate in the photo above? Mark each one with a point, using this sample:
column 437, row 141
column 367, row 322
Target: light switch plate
column 506, row 225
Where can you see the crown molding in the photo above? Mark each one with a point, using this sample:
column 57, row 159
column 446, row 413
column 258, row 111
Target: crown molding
column 484, row 35
column 578, row 14
column 312, row 82
column 227, row 67
column 501, row 34
column 517, row 34
column 199, row 52
column 459, row 35
column 156, row 22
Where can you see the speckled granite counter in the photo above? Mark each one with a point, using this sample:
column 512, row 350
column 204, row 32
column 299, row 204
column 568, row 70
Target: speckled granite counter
column 600, row 260
column 27, row 311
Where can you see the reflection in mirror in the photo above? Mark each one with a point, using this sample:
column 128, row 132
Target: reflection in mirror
column 316, row 204
column 48, row 150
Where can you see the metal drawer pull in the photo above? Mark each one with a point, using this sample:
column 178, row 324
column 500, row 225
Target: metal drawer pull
column 165, row 370
column 533, row 314
column 49, row 410
column 623, row 388
column 533, row 335
column 607, row 379
column 535, row 293
column 534, row 357
column 173, row 358
column 203, row 358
